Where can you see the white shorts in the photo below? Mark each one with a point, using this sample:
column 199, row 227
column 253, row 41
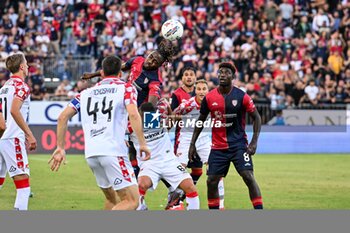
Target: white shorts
column 13, row 157
column 112, row 171
column 171, row 171
column 203, row 148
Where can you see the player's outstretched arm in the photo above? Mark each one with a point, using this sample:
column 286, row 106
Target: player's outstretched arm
column 2, row 124
column 136, row 125
column 17, row 116
column 256, row 131
column 87, row 76
column 197, row 130
column 59, row 155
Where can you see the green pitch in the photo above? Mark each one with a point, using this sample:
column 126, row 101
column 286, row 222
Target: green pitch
column 286, row 181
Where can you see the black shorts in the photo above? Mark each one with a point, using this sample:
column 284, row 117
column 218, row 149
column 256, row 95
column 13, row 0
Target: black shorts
column 219, row 161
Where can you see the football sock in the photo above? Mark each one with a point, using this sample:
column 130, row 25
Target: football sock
column 2, row 180
column 135, row 167
column 23, row 192
column 196, row 174
column 257, row 203
column 142, row 203
column 192, row 200
column 214, row 203
column 221, row 192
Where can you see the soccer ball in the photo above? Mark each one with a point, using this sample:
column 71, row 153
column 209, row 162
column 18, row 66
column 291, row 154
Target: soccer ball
column 172, row 30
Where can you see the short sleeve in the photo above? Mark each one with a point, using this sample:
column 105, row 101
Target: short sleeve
column 128, row 64
column 185, row 107
column 75, row 103
column 174, row 102
column 130, row 94
column 204, row 107
column 22, row 91
column 0, row 107
column 248, row 104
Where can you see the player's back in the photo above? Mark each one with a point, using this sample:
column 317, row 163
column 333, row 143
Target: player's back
column 15, row 87
column 104, row 118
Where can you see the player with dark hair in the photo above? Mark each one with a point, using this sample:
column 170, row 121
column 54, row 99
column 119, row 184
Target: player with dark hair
column 228, row 106
column 163, row 163
column 144, row 72
column 105, row 109
column 146, row 77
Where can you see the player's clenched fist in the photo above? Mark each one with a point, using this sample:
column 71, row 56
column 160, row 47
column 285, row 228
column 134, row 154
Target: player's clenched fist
column 58, row 156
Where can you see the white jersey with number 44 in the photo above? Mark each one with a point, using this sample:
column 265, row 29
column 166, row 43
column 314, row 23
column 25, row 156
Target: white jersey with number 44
column 104, row 117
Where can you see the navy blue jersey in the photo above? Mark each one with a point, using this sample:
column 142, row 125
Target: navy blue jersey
column 147, row 82
column 231, row 111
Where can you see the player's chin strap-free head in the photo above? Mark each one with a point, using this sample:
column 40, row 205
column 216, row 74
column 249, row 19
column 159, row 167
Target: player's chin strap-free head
column 231, row 66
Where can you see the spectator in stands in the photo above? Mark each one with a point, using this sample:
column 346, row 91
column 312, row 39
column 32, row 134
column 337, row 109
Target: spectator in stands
column 312, row 92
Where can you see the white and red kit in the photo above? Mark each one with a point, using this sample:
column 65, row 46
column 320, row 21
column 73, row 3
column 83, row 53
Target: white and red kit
column 189, row 110
column 13, row 154
column 104, row 120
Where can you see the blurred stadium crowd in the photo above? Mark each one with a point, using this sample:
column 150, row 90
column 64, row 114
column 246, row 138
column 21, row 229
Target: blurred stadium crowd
column 288, row 53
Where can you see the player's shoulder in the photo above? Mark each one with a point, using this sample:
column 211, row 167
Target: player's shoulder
column 17, row 83
column 178, row 91
column 138, row 59
column 238, row 91
column 212, row 94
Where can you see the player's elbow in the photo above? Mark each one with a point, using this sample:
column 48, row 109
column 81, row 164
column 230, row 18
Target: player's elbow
column 2, row 128
column 62, row 118
column 134, row 116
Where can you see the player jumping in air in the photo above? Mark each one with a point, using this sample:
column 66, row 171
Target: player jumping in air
column 228, row 105
column 162, row 165
column 15, row 99
column 104, row 110
column 145, row 75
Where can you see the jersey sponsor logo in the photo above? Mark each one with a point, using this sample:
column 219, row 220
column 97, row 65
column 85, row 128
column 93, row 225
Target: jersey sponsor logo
column 151, row 120
column 234, row 103
column 214, row 104
column 247, row 164
column 117, row 181
column 96, row 132
column 12, row 169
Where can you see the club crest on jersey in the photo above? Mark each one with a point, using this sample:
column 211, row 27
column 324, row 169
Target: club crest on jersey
column 234, row 103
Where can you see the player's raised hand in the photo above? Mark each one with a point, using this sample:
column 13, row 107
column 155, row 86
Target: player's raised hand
column 145, row 153
column 31, row 142
column 192, row 152
column 252, row 148
column 58, row 156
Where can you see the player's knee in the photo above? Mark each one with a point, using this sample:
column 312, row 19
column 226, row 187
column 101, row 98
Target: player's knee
column 213, row 181
column 247, row 176
column 21, row 177
column 143, row 186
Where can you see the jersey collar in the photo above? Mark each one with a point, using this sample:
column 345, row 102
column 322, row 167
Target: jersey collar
column 16, row 77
